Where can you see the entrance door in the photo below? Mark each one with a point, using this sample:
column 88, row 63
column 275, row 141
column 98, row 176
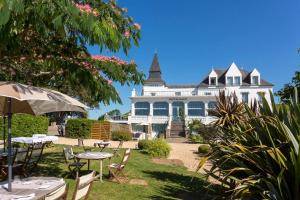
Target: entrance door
column 178, row 110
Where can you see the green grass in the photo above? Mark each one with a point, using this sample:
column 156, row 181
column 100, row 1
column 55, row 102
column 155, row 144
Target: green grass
column 164, row 181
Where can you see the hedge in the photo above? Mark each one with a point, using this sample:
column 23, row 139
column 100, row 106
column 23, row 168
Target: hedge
column 144, row 144
column 196, row 138
column 24, row 125
column 79, row 128
column 121, row 135
column 155, row 148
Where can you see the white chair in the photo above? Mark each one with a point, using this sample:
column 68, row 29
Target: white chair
column 59, row 194
column 83, row 186
column 116, row 169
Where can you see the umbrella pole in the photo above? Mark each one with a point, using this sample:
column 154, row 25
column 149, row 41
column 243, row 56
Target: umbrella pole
column 4, row 132
column 9, row 144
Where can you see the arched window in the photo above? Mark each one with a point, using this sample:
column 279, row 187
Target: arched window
column 212, row 104
column 160, row 109
column 196, row 108
column 142, row 108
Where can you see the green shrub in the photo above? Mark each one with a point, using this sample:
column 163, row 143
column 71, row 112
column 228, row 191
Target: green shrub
column 24, row 125
column 158, row 148
column 79, row 128
column 204, row 148
column 208, row 132
column 144, row 144
column 196, row 138
column 259, row 158
column 121, row 135
column 195, row 125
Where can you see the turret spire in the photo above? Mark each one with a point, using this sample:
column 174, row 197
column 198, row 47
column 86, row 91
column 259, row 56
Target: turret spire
column 154, row 72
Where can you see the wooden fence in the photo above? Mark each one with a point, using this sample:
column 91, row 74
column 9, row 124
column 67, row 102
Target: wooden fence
column 101, row 131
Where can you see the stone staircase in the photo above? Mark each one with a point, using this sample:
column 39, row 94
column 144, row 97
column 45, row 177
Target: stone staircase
column 177, row 129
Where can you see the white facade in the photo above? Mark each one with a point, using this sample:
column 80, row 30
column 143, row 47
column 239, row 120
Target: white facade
column 159, row 103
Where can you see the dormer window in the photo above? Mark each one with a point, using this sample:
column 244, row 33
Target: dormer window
column 213, row 81
column 254, row 80
column 213, row 78
column 233, row 75
column 237, row 80
column 230, row 80
column 255, row 77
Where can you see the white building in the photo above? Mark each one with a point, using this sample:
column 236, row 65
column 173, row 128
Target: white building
column 160, row 105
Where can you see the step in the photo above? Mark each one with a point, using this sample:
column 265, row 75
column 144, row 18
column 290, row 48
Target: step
column 177, row 134
column 177, row 140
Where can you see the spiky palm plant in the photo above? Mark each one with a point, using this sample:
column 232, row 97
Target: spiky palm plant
column 228, row 110
column 262, row 161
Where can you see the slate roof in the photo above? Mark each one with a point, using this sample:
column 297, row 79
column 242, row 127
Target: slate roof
column 155, row 72
column 155, row 77
column 221, row 79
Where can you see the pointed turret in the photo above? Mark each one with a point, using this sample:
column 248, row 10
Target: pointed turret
column 154, row 72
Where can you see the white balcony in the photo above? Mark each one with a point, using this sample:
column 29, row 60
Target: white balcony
column 160, row 119
column 205, row 120
column 148, row 119
column 138, row 119
column 165, row 119
column 212, row 93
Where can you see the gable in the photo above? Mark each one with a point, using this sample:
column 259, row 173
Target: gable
column 233, row 70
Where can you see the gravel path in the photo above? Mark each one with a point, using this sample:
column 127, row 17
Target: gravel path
column 182, row 151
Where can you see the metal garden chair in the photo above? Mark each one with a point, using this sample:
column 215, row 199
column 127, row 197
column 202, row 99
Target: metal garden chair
column 74, row 166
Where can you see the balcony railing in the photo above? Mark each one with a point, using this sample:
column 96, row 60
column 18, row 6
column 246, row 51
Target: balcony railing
column 165, row 119
column 211, row 93
column 149, row 119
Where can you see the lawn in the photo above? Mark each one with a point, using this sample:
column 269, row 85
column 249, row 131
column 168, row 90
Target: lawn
column 164, row 181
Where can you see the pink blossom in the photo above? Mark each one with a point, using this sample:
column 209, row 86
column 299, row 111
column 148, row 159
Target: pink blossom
column 22, row 58
column 127, row 34
column 84, row 7
column 109, row 82
column 112, row 59
column 137, row 26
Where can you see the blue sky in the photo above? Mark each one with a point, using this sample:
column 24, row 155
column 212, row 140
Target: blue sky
column 192, row 36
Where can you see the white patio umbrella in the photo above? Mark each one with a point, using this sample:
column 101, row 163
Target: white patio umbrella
column 20, row 98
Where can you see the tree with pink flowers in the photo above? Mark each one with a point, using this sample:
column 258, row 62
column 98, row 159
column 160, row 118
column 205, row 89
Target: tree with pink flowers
column 44, row 43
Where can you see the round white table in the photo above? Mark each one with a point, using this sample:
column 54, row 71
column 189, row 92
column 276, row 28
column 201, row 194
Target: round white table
column 31, row 187
column 94, row 156
column 102, row 144
column 32, row 140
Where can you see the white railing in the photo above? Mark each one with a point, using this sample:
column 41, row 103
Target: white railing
column 166, row 119
column 205, row 120
column 149, row 119
column 138, row 119
column 160, row 119
column 115, row 118
column 181, row 94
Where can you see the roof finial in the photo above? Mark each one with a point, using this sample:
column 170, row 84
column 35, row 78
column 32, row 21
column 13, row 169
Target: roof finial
column 155, row 50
